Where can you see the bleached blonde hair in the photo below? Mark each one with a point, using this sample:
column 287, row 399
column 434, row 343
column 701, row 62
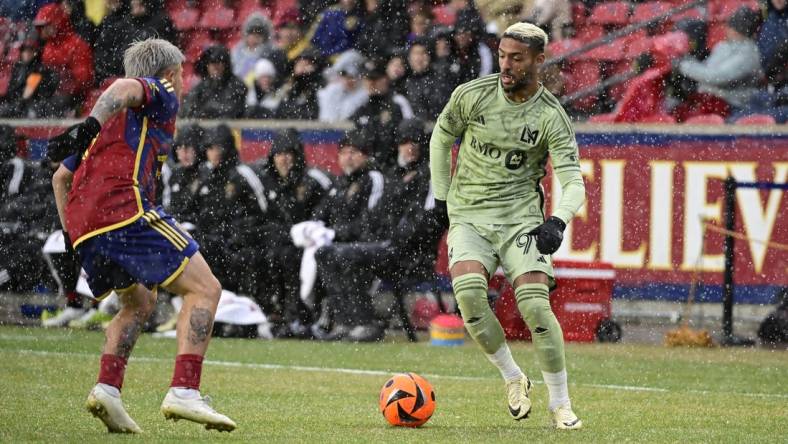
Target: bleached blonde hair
column 149, row 58
column 527, row 33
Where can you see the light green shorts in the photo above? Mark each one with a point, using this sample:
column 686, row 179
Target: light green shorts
column 492, row 244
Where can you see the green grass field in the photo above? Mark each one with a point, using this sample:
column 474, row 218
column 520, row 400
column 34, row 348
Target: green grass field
column 291, row 391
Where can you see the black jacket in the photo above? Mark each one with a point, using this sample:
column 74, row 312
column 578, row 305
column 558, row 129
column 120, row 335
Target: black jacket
column 300, row 101
column 349, row 203
column 215, row 98
column 426, row 94
column 115, row 34
column 380, row 117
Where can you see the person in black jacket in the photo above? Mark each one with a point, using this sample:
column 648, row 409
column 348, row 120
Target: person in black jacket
column 291, row 192
column 149, row 19
column 180, row 199
column 115, row 34
column 300, row 91
column 425, row 91
column 220, row 94
column 347, row 211
column 79, row 21
column 380, row 116
column 30, row 87
column 399, row 246
column 214, row 213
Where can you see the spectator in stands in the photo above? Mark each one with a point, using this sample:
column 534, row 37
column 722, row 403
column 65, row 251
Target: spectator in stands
column 335, row 30
column 288, row 34
column 67, row 55
column 730, row 75
column 294, row 192
column 300, row 91
column 773, row 47
column 256, row 44
column 397, row 71
column 385, row 27
column 263, row 98
column 114, row 35
column 75, row 9
column 500, row 14
column 219, row 94
column 149, row 19
column 30, row 87
column 185, row 180
column 27, row 215
column 443, row 63
column 381, row 115
column 214, row 215
column 345, row 93
column 420, row 25
column 473, row 57
column 424, row 91
column 553, row 16
column 346, row 210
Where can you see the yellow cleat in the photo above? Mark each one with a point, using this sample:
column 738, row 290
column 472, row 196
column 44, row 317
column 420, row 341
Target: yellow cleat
column 565, row 419
column 517, row 393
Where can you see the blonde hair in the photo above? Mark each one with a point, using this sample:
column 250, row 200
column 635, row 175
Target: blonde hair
column 149, row 58
column 527, row 33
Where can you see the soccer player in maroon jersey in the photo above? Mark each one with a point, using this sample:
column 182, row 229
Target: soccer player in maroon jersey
column 126, row 242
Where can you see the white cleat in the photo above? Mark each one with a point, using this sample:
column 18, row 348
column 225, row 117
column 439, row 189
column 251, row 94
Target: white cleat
column 565, row 419
column 517, row 393
column 63, row 317
column 109, row 409
column 197, row 409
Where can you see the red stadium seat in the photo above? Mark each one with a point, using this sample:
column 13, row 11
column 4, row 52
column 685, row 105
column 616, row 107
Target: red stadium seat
column 589, row 33
column 706, row 119
column 610, row 13
column 217, row 16
column 693, row 13
column 579, row 15
column 185, row 19
column 5, row 78
column 611, row 52
column 658, row 118
column 581, row 75
column 721, row 10
column 644, row 97
column 756, row 119
column 647, row 11
column 669, row 47
column 638, row 43
column 716, row 34
column 245, row 8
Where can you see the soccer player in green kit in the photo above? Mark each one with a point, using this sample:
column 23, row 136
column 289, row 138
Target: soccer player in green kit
column 509, row 124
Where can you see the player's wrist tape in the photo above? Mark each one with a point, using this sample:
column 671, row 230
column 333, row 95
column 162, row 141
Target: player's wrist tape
column 75, row 140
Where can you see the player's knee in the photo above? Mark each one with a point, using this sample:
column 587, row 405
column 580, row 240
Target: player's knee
column 470, row 291
column 212, row 289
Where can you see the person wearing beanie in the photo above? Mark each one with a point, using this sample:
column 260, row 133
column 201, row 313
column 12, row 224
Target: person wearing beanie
column 732, row 72
column 257, row 43
column 345, row 92
column 263, row 98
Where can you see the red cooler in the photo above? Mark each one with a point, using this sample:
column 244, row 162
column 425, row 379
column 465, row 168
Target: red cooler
column 582, row 303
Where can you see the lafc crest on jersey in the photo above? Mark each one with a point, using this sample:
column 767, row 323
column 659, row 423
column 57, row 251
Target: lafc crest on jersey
column 529, row 136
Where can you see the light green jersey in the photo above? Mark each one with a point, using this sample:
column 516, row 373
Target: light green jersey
column 503, row 154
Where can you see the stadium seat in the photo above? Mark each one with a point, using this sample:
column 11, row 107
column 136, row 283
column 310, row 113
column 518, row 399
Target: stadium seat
column 589, row 33
column 245, row 8
column 581, row 75
column 610, row 13
column 217, row 16
column 669, row 47
column 721, row 10
column 5, row 78
column 185, row 19
column 693, row 14
column 611, row 52
column 706, row 119
column 637, row 44
column 647, row 11
column 644, row 97
column 756, row 119
column 579, row 15
column 658, row 118
column 196, row 42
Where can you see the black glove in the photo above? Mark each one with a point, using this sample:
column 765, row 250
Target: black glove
column 441, row 214
column 549, row 235
column 75, row 140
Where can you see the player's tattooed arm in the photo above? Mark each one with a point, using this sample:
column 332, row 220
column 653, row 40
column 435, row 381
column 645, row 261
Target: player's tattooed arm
column 123, row 93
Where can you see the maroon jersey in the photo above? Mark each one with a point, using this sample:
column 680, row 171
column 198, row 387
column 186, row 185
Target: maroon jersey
column 117, row 178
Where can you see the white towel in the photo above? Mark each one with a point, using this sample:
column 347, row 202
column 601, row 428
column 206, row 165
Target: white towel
column 310, row 235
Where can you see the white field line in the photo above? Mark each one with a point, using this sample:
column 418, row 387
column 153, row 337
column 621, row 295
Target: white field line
column 352, row 371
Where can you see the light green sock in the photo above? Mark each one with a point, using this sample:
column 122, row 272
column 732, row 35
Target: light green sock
column 533, row 300
column 470, row 290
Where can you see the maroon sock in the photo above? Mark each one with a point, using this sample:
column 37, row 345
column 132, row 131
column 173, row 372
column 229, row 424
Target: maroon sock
column 188, row 369
column 112, row 370
column 73, row 299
